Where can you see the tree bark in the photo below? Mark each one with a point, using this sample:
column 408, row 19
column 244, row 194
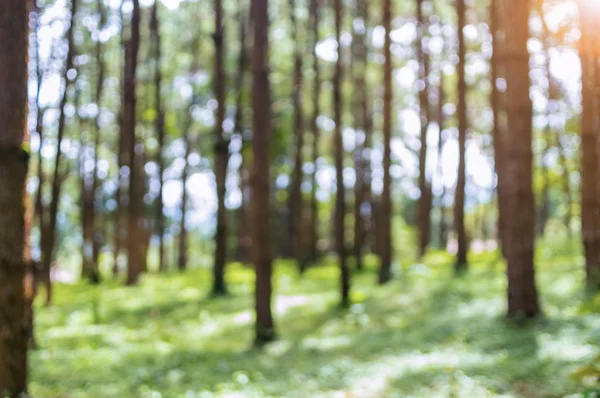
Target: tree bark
column 295, row 200
column 385, row 208
column 443, row 228
column 590, row 192
column 49, row 242
column 498, row 128
column 244, row 240
column 340, row 200
column 361, row 150
column 134, row 241
column 522, row 293
column 425, row 200
column 261, row 137
column 160, row 133
column 459, row 202
column 14, row 22
column 316, row 97
column 221, row 156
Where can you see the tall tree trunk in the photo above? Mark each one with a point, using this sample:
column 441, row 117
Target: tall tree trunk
column 340, row 200
column 182, row 259
column 221, row 156
column 160, row 133
column 91, row 233
column 442, row 229
column 49, row 242
column 261, row 137
column 566, row 184
column 120, row 234
column 385, row 207
column 425, row 200
column 129, row 121
column 459, row 202
column 590, row 192
column 316, row 110
column 295, row 200
column 244, row 240
column 14, row 22
column 522, row 293
column 498, row 130
column 361, row 114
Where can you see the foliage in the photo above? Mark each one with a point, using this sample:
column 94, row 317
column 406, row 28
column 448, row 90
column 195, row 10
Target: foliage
column 425, row 335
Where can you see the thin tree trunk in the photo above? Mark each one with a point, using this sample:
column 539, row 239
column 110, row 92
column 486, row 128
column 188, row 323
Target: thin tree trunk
column 129, row 121
column 123, row 157
column 295, row 200
column 340, row 200
column 57, row 179
column 459, row 202
column 360, row 113
column 522, row 293
column 160, row 132
column 244, row 240
column 443, row 229
column 425, row 200
column 498, row 130
column 385, row 209
column 182, row 260
column 14, row 21
column 590, row 195
column 221, row 156
column 261, row 137
column 316, row 97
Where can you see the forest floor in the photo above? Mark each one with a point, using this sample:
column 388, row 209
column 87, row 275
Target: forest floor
column 427, row 334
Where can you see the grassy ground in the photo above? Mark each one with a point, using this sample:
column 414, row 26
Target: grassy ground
column 425, row 335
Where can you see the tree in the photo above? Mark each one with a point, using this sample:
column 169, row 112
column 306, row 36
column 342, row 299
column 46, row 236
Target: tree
column 261, row 137
column 295, row 199
column 425, row 200
column 221, row 155
column 340, row 200
column 362, row 188
column 316, row 97
column 160, row 133
column 134, row 246
column 386, row 196
column 49, row 229
column 459, row 201
column 522, row 293
column 92, row 235
column 590, row 192
column 13, row 173
column 498, row 130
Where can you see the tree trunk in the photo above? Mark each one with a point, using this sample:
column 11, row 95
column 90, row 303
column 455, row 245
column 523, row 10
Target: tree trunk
column 498, row 128
column 160, row 132
column 129, row 121
column 244, row 240
column 361, row 161
column 443, row 229
column 522, row 294
column 295, row 199
column 182, row 260
column 221, row 156
column 261, row 137
column 14, row 22
column 120, row 234
column 316, row 96
column 425, row 200
column 385, row 209
column 459, row 202
column 49, row 242
column 590, row 193
column 340, row 201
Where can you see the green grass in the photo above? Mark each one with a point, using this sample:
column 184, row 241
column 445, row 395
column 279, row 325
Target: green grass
column 427, row 334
